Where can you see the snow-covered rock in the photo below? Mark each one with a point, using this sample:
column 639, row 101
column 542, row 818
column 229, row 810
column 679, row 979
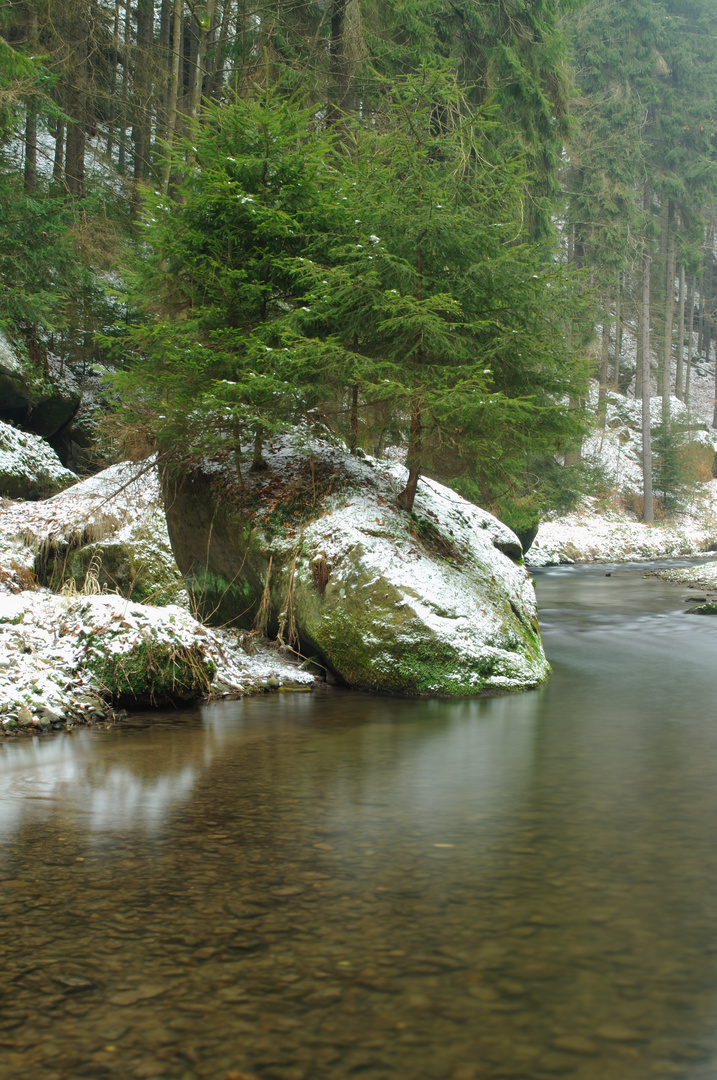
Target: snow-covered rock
column 29, row 467
column 66, row 657
column 435, row 602
column 108, row 531
column 694, row 577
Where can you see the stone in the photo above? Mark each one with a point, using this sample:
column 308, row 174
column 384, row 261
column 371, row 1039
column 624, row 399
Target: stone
column 29, row 467
column 24, row 717
column 435, row 602
column 105, row 533
column 44, row 724
column 10, row 724
column 575, row 1044
column 619, row 1033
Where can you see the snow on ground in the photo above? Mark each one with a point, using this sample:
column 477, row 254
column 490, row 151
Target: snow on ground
column 593, row 534
column 604, row 530
column 695, row 577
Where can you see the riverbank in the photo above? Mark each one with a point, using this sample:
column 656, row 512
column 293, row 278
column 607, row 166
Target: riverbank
column 76, row 644
column 596, row 532
column 66, row 661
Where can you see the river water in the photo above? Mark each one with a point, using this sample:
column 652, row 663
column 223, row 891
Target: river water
column 333, row 885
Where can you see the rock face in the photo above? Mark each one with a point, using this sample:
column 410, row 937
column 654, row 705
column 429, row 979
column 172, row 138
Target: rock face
column 28, row 396
column 29, row 468
column 436, row 602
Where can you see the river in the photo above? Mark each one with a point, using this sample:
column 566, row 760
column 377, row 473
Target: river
column 333, row 885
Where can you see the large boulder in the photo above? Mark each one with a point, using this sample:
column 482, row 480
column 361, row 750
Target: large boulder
column 42, row 397
column 106, row 533
column 315, row 549
column 29, row 468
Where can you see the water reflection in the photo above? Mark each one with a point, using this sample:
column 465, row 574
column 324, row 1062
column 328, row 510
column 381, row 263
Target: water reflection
column 300, row 887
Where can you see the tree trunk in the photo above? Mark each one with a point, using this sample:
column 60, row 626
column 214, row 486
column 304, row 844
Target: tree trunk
column 679, row 371
column 648, row 510
column 142, row 87
column 666, row 365
column 30, row 174
column 216, row 68
column 413, row 459
column 57, row 165
column 604, row 361
column 618, row 334
column 203, row 30
column 258, row 463
column 76, row 90
column 353, row 434
column 124, row 95
column 345, row 49
column 177, row 42
column 690, row 334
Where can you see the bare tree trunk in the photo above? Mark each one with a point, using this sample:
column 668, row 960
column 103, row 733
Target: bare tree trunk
column 666, row 365
column 142, row 88
column 345, row 47
column 679, row 371
column 618, row 334
column 114, row 61
column 30, row 174
column 124, row 94
column 203, row 30
column 604, row 361
column 690, row 333
column 177, row 43
column 76, row 109
column 353, row 431
column 639, row 354
column 648, row 511
column 216, row 68
column 258, row 464
column 413, row 459
column 57, row 165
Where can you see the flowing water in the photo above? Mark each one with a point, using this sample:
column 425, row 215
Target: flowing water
column 333, row 885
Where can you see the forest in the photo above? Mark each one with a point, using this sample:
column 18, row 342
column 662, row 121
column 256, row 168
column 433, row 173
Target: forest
column 421, row 224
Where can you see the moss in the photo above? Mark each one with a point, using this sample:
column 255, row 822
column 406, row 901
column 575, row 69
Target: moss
column 703, row 609
column 221, row 602
column 152, row 673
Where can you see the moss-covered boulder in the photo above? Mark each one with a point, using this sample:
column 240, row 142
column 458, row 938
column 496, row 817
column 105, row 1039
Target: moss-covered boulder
column 29, row 467
column 316, row 550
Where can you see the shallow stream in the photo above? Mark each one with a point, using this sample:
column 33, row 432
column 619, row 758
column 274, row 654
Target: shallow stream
column 332, row 885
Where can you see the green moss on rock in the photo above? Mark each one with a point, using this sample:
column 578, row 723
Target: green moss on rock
column 152, row 673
